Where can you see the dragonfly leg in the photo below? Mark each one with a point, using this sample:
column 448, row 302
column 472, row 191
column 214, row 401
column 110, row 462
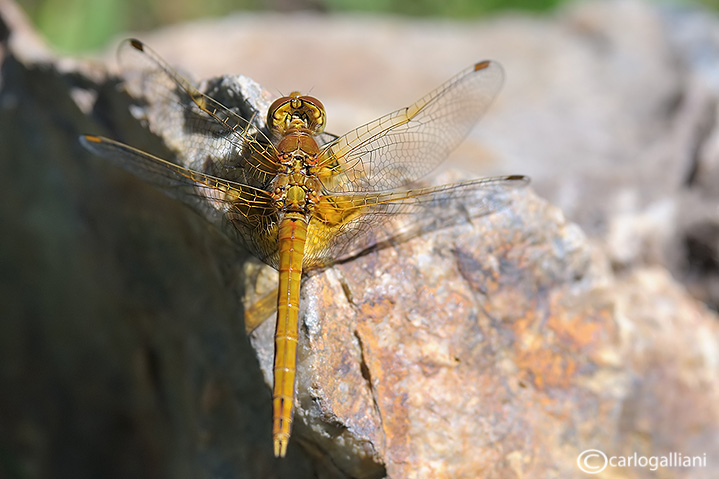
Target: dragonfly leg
column 260, row 311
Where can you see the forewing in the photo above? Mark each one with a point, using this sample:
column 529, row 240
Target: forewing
column 344, row 225
column 402, row 147
column 245, row 213
column 210, row 136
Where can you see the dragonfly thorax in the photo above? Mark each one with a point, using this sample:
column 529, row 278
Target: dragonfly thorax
column 296, row 197
column 295, row 189
column 298, row 145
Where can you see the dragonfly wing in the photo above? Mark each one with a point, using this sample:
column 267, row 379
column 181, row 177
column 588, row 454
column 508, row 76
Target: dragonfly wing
column 402, row 147
column 325, row 138
column 344, row 225
column 210, row 136
column 245, row 213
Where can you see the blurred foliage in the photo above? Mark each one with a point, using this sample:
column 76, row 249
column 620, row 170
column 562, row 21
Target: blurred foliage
column 76, row 25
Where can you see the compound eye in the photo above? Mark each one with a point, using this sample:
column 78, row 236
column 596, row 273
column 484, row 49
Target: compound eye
column 313, row 101
column 277, row 113
column 276, row 104
column 316, row 111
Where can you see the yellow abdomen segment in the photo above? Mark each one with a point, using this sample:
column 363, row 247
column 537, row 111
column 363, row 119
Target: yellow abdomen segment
column 292, row 236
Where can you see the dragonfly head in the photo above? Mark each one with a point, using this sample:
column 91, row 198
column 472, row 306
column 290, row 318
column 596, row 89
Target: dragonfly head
column 296, row 112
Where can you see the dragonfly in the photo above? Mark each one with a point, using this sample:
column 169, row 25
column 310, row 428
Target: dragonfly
column 300, row 199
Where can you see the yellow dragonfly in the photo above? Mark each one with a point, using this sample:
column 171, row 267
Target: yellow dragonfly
column 301, row 199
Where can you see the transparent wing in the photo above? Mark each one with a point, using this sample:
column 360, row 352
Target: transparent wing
column 210, row 136
column 344, row 225
column 245, row 213
column 401, row 147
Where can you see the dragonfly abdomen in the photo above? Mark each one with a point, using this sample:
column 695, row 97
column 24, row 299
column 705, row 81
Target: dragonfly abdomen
column 292, row 237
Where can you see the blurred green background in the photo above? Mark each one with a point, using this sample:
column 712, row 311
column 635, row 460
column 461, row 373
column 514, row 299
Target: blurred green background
column 81, row 25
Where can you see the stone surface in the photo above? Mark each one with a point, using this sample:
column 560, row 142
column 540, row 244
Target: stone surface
column 501, row 348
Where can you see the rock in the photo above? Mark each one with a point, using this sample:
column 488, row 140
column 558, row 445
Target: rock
column 669, row 345
column 500, row 348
